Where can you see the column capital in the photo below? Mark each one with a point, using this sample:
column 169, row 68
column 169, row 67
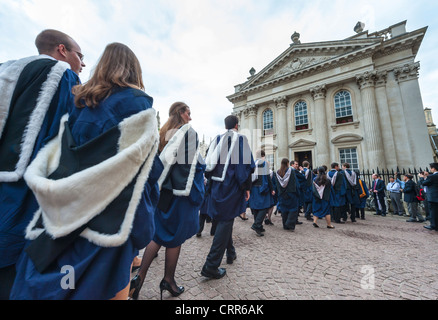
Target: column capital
column 366, row 79
column 318, row 92
column 381, row 78
column 409, row 71
column 251, row 110
column 281, row 102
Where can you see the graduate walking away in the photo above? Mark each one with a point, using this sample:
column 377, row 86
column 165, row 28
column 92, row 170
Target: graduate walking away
column 95, row 184
column 323, row 192
column 287, row 188
column 181, row 195
column 35, row 92
column 229, row 167
column 261, row 192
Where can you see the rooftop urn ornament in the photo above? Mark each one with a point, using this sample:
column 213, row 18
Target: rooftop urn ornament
column 359, row 27
column 252, row 72
column 296, row 38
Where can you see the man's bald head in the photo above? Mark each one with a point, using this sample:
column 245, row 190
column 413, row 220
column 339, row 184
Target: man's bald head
column 48, row 40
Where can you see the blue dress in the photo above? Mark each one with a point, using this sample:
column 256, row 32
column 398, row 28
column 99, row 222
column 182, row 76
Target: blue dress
column 95, row 275
column 321, row 208
column 181, row 222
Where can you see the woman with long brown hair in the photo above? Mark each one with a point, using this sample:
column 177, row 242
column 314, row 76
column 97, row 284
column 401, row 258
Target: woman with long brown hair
column 95, row 184
column 287, row 188
column 181, row 195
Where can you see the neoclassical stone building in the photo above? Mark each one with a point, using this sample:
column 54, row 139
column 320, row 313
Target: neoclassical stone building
column 356, row 100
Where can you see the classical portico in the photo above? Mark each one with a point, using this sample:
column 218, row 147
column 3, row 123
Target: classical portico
column 355, row 100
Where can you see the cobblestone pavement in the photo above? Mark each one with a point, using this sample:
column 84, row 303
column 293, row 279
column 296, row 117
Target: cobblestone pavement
column 312, row 263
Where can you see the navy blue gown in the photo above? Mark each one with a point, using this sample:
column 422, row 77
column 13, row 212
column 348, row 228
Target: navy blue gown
column 99, row 273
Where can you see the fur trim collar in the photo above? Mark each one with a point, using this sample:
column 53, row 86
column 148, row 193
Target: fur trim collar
column 9, row 76
column 69, row 203
column 171, row 153
column 214, row 154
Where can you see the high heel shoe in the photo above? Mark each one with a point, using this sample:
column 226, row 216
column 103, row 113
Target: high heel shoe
column 135, row 287
column 164, row 285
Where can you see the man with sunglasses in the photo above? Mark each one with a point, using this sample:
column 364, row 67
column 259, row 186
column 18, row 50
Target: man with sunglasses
column 35, row 92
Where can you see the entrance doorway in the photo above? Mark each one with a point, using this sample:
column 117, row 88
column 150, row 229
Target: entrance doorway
column 304, row 156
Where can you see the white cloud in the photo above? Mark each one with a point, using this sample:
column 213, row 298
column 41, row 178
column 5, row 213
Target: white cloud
column 197, row 50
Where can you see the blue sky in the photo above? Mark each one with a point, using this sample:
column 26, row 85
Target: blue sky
column 197, row 50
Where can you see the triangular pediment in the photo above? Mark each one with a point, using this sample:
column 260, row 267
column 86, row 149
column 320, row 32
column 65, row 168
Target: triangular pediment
column 302, row 143
column 305, row 57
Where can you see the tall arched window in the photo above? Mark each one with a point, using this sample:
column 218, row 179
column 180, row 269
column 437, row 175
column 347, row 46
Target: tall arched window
column 268, row 122
column 301, row 118
column 343, row 107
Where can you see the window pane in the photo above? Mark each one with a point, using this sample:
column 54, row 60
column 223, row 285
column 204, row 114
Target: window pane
column 349, row 156
column 301, row 117
column 343, row 106
column 268, row 120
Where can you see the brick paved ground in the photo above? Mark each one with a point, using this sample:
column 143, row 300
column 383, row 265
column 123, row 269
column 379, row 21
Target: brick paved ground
column 312, row 263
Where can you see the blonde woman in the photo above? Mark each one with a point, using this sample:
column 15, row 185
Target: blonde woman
column 181, row 196
column 95, row 184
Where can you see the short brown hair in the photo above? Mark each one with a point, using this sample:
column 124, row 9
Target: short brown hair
column 231, row 122
column 306, row 164
column 49, row 39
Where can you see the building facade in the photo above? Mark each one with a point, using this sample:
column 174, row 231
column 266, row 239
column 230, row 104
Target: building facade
column 356, row 100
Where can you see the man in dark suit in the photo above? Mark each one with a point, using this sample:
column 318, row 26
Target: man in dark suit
column 378, row 190
column 410, row 197
column 431, row 183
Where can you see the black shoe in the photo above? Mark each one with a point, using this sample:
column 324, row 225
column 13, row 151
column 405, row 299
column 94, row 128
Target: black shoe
column 412, row 220
column 340, row 222
column 198, row 235
column 230, row 260
column 315, row 225
column 135, row 287
column 298, row 222
column 213, row 273
column 164, row 285
column 258, row 231
column 428, row 228
column 330, row 227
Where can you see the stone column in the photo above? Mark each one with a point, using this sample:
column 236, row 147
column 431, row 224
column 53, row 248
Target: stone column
column 373, row 134
column 321, row 127
column 282, row 129
column 385, row 120
column 418, row 136
column 252, row 126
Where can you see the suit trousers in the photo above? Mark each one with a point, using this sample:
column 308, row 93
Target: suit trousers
column 289, row 219
column 433, row 209
column 259, row 217
column 414, row 212
column 396, row 203
column 223, row 240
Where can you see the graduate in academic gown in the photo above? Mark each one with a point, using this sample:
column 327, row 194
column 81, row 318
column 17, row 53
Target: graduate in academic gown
column 352, row 197
column 288, row 190
column 181, row 195
column 35, row 92
column 96, row 186
column 363, row 194
column 229, row 167
column 261, row 192
column 340, row 187
column 307, row 190
column 323, row 196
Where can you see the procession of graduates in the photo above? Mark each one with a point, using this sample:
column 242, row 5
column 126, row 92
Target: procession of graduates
column 330, row 195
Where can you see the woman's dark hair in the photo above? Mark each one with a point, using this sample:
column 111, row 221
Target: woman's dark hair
column 321, row 178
